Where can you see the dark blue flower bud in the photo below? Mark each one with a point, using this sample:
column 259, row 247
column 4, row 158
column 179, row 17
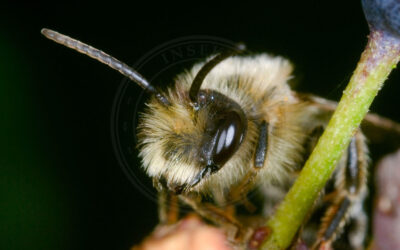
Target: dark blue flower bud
column 383, row 15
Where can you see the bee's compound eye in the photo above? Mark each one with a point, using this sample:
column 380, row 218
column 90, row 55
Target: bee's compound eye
column 229, row 136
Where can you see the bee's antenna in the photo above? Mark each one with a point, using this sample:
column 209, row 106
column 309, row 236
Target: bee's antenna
column 106, row 59
column 199, row 78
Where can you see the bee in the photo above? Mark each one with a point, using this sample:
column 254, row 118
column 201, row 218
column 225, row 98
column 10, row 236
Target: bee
column 231, row 126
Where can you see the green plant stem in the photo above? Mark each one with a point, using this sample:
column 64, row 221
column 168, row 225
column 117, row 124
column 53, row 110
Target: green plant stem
column 379, row 57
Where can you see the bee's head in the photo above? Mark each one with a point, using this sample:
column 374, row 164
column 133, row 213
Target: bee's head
column 187, row 134
column 192, row 137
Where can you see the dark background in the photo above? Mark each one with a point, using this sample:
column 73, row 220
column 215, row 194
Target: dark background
column 61, row 186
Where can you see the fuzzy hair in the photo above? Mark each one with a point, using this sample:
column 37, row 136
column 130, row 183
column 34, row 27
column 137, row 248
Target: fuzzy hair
column 169, row 137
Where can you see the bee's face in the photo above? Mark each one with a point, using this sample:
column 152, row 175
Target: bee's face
column 191, row 141
column 206, row 144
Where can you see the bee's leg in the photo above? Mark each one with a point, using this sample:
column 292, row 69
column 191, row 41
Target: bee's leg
column 350, row 192
column 239, row 192
column 216, row 215
column 168, row 205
